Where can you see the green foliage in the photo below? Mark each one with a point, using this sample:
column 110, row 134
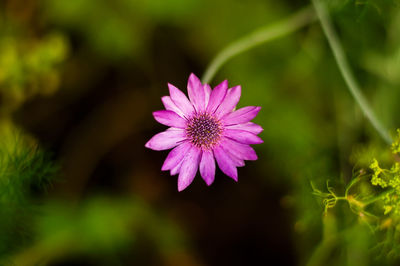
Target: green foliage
column 25, row 172
column 28, row 66
column 396, row 143
column 100, row 226
column 37, row 232
column 116, row 29
column 378, row 209
column 389, row 178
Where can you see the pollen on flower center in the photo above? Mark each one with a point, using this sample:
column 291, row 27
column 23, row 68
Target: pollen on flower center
column 203, row 130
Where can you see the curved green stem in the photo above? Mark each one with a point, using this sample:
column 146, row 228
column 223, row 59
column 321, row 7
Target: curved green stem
column 378, row 197
column 352, row 183
column 262, row 35
column 345, row 70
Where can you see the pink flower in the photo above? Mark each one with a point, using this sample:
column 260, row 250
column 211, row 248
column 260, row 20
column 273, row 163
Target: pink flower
column 204, row 128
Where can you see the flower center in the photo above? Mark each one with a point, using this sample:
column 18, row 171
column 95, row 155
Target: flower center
column 203, row 130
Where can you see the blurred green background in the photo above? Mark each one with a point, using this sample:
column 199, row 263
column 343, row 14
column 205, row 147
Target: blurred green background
column 80, row 79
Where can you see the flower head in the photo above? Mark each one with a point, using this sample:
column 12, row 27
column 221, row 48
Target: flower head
column 205, row 128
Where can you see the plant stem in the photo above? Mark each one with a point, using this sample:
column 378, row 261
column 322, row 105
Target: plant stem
column 260, row 36
column 378, row 197
column 352, row 183
column 330, row 239
column 345, row 70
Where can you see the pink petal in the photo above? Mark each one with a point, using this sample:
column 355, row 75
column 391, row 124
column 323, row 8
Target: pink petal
column 217, row 96
column 177, row 168
column 189, row 168
column 207, row 93
column 169, row 118
column 249, row 126
column 225, row 163
column 196, row 93
column 240, row 116
column 180, row 100
column 169, row 105
column 166, row 140
column 175, row 156
column 237, row 161
column 207, row 167
column 231, row 100
column 242, row 136
column 241, row 151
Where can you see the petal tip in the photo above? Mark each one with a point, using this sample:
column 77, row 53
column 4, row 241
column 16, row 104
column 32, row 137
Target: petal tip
column 171, row 87
column 237, row 87
column 193, row 76
column 182, row 187
column 194, row 79
column 164, row 167
column 148, row 145
column 209, row 183
column 234, row 175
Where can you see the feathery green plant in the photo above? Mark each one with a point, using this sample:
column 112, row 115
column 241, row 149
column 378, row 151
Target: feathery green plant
column 26, row 172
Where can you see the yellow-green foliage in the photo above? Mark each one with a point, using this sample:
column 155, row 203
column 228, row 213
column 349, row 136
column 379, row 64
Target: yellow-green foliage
column 374, row 196
column 396, row 143
column 389, row 178
column 29, row 67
